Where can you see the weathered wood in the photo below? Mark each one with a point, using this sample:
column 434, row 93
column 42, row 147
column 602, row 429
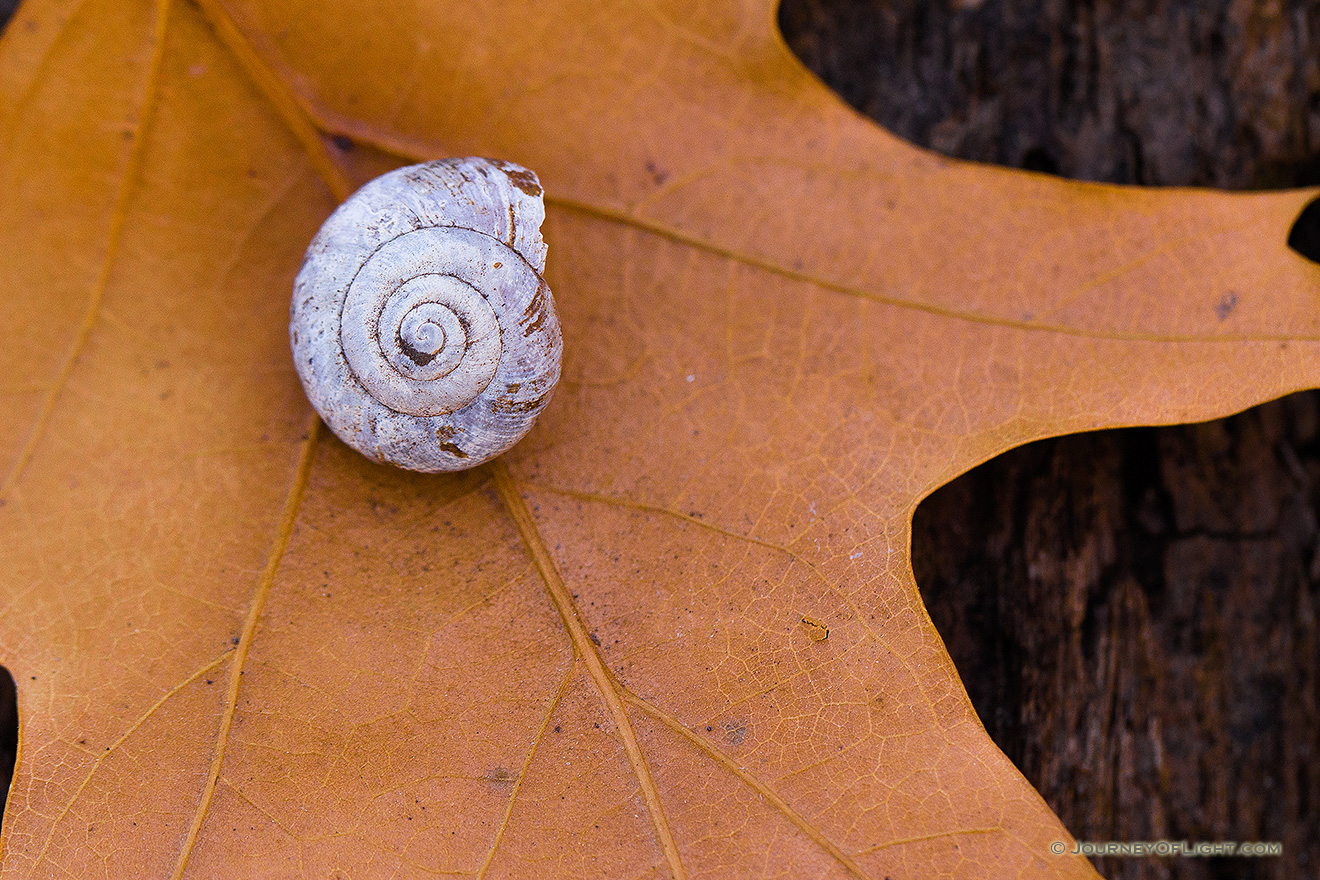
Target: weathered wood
column 1159, row 92
column 1135, row 615
column 1133, row 612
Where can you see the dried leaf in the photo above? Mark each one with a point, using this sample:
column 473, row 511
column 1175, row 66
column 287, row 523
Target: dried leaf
column 675, row 632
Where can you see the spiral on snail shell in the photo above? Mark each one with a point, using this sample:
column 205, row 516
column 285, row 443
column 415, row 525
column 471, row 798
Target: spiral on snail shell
column 421, row 327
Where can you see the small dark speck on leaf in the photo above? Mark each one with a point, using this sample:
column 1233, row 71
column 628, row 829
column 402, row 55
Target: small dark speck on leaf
column 501, row 775
column 1226, row 305
column 735, row 732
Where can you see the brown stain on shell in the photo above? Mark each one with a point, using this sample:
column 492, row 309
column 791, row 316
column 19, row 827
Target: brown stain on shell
column 518, row 407
column 534, row 315
column 521, row 178
column 445, row 434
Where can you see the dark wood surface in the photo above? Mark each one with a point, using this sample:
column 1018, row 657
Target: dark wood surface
column 1158, row 92
column 1133, row 612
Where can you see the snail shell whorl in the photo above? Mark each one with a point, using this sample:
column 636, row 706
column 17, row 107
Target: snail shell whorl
column 422, row 329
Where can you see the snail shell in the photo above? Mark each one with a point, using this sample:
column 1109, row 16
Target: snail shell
column 421, row 327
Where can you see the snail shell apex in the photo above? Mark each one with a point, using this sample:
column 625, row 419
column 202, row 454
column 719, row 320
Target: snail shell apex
column 421, row 327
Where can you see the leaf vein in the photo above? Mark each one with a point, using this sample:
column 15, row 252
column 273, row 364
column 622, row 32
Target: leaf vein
column 285, row 104
column 118, row 218
column 920, row 838
column 113, row 747
column 522, row 775
column 798, row 820
column 264, row 583
column 608, row 688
